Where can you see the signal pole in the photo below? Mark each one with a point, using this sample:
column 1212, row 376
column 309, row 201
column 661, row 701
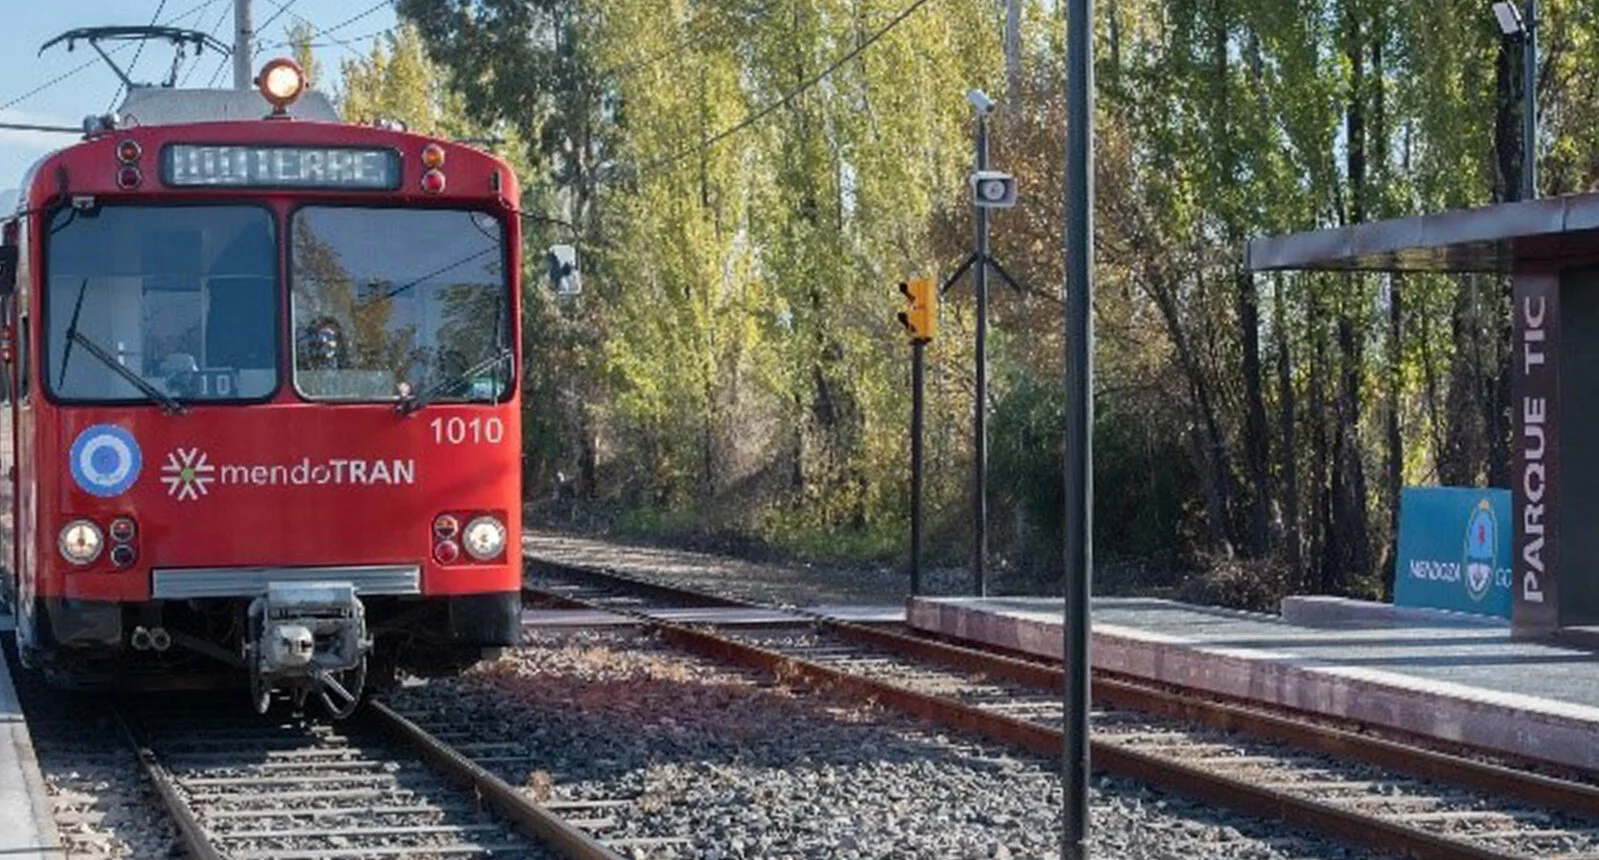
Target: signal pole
column 920, row 320
column 980, row 421
column 243, row 35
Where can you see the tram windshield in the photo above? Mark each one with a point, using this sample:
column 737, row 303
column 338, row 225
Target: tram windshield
column 399, row 304
column 170, row 303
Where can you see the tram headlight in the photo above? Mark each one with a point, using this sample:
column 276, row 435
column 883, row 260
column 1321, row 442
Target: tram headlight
column 484, row 538
column 80, row 542
column 281, row 82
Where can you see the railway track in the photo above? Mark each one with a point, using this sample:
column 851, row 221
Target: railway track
column 243, row 787
column 236, row 785
column 1353, row 786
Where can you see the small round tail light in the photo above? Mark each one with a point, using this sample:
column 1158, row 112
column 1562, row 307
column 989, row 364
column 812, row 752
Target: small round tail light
column 124, row 529
column 433, row 182
column 128, row 151
column 446, row 527
column 432, row 156
column 128, row 178
column 447, row 552
column 123, row 555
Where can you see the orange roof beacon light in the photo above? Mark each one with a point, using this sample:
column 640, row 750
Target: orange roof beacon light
column 281, row 82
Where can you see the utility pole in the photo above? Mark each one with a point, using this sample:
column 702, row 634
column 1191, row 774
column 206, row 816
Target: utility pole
column 1079, row 420
column 243, row 36
column 1522, row 25
column 1529, row 132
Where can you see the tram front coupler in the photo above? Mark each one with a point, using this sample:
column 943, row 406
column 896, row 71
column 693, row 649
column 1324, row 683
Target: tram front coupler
column 308, row 638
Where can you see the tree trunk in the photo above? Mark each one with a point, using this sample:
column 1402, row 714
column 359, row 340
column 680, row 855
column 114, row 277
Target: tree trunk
column 1213, row 466
column 1289, row 466
column 1320, row 515
column 1256, row 444
column 1352, row 548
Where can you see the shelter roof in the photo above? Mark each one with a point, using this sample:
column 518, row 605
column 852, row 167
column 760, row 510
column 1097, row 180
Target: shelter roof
column 1562, row 231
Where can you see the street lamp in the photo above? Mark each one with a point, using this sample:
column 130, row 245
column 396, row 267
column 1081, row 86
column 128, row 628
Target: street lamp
column 1524, row 25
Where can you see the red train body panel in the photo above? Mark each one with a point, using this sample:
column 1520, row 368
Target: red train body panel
column 313, row 428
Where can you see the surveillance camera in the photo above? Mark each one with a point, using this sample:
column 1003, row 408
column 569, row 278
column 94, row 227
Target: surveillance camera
column 981, row 101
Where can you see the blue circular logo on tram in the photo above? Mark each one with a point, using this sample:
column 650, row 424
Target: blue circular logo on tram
column 105, row 460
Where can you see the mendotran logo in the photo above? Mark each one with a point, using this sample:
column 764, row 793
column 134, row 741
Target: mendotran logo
column 189, row 473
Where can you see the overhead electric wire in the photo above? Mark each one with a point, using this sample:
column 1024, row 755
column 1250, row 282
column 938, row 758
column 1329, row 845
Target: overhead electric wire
column 690, row 40
column 23, row 126
column 788, row 97
column 79, row 68
column 328, row 32
column 160, row 7
column 285, row 43
column 358, row 16
column 55, row 80
column 282, row 7
column 213, row 31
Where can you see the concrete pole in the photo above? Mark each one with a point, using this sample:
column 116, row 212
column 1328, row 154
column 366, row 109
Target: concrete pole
column 243, row 37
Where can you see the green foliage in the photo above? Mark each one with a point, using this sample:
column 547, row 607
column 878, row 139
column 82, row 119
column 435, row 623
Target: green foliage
column 734, row 366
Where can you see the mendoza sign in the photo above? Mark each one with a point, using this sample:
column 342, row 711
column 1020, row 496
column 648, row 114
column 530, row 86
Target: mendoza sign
column 1454, row 550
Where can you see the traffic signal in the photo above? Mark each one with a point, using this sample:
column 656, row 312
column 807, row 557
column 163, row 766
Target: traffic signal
column 921, row 318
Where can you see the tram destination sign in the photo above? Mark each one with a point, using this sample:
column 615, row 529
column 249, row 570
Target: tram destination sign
column 187, row 165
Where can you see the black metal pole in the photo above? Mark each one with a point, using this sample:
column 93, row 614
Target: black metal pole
column 918, row 380
column 1529, row 120
column 1079, row 417
column 980, row 421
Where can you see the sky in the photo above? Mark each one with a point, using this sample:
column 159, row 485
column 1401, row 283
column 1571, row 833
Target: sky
column 93, row 90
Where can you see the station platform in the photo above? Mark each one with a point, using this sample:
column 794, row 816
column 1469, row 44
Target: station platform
column 27, row 829
column 721, row 616
column 1455, row 678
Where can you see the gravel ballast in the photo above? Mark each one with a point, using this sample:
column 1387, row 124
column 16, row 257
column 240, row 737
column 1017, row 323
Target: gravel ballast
column 744, row 769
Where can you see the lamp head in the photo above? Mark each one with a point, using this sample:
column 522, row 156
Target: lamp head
column 1509, row 18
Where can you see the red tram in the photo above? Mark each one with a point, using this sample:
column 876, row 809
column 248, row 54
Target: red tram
column 262, row 410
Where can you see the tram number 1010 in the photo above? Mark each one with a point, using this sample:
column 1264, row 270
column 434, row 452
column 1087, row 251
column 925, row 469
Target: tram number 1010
column 467, row 431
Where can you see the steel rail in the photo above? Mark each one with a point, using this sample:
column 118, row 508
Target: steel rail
column 196, row 840
column 1042, row 740
column 1340, row 743
column 1110, row 756
column 669, row 593
column 532, row 819
column 1184, row 703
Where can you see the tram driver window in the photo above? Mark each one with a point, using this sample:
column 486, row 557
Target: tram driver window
column 183, row 297
column 388, row 303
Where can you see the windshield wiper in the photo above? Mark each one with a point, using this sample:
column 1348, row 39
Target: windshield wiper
column 412, row 402
column 167, row 401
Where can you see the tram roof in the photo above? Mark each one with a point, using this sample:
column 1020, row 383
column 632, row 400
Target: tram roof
column 145, row 106
column 1561, row 231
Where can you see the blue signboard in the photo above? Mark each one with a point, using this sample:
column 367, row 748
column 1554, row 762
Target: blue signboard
column 1454, row 550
